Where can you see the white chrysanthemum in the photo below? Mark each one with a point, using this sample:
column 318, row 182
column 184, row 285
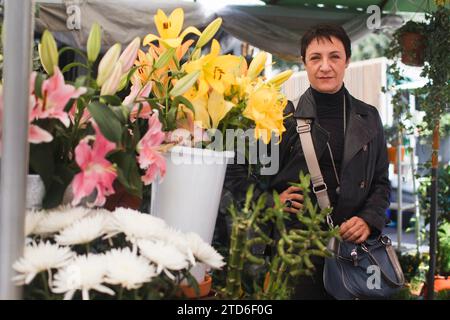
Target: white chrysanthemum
column 135, row 225
column 128, row 269
column 178, row 239
column 84, row 273
column 40, row 257
column 32, row 220
column 107, row 216
column 59, row 219
column 204, row 252
column 82, row 231
column 165, row 255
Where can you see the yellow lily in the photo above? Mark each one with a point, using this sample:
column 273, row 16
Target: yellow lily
column 169, row 29
column 185, row 118
column 145, row 64
column 265, row 107
column 215, row 70
column 209, row 110
column 179, row 53
column 218, row 107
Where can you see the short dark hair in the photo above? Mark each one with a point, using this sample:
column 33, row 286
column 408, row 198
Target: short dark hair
column 325, row 31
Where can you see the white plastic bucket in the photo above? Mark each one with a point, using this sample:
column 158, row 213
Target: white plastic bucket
column 188, row 198
column 35, row 192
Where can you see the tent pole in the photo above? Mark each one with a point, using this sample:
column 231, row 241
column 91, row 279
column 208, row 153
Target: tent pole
column 14, row 162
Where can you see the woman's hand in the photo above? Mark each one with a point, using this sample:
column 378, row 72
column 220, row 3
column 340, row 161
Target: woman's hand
column 355, row 230
column 295, row 198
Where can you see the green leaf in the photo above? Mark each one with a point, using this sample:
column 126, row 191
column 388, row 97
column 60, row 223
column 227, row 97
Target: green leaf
column 130, row 74
column 73, row 65
column 192, row 282
column 111, row 100
column 171, row 118
column 128, row 172
column 164, row 59
column 160, row 87
column 119, row 113
column 107, row 121
column 153, row 102
column 183, row 100
column 80, row 81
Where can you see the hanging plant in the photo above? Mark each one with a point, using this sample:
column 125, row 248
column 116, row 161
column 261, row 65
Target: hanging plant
column 412, row 41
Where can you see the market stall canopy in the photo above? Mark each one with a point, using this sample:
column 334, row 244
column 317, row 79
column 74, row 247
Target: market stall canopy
column 121, row 20
column 275, row 27
column 360, row 5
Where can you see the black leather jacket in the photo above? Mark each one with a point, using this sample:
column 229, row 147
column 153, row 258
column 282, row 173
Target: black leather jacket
column 365, row 186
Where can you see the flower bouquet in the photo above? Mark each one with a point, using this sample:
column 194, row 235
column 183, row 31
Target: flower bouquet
column 206, row 101
column 84, row 135
column 76, row 252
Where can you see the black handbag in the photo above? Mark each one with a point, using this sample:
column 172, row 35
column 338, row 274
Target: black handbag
column 370, row 270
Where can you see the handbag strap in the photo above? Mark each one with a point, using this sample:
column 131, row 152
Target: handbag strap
column 319, row 185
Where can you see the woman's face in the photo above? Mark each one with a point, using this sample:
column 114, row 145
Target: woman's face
column 325, row 62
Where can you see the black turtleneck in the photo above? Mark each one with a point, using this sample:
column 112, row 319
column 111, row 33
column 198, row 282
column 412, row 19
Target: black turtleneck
column 330, row 114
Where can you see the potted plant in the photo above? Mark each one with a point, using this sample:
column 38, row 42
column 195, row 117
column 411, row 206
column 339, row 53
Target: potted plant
column 411, row 42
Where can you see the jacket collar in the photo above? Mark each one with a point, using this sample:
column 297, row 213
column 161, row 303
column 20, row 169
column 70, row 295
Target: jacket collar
column 306, row 107
column 359, row 131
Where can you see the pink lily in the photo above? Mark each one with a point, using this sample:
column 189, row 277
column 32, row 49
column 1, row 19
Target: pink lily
column 35, row 134
column 133, row 100
column 149, row 157
column 96, row 172
column 84, row 118
column 56, row 94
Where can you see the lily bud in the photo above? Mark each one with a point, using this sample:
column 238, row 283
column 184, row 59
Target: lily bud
column 94, row 42
column 112, row 83
column 48, row 52
column 106, row 65
column 185, row 83
column 257, row 65
column 280, row 78
column 209, row 32
column 128, row 56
